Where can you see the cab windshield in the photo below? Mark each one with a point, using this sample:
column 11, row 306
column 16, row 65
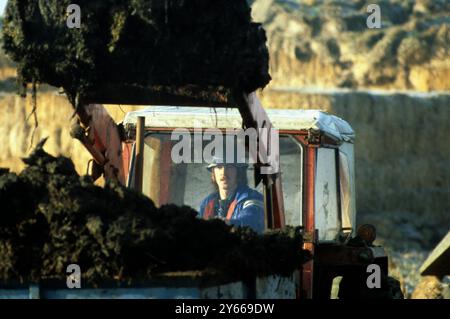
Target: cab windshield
column 180, row 175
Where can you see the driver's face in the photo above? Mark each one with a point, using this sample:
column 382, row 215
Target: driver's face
column 226, row 177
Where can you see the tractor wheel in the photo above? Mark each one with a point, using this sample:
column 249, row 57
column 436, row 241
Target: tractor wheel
column 394, row 287
column 355, row 288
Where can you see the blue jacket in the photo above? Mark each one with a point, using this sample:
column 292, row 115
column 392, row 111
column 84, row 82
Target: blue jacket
column 248, row 211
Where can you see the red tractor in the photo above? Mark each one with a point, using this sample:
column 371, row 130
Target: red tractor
column 313, row 187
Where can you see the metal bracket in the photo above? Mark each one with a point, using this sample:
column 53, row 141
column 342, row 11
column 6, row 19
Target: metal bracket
column 313, row 138
column 309, row 237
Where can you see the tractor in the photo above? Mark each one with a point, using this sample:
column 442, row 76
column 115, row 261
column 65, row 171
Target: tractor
column 312, row 185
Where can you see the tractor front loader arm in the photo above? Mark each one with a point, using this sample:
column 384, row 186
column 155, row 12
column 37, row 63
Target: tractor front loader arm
column 100, row 135
column 254, row 116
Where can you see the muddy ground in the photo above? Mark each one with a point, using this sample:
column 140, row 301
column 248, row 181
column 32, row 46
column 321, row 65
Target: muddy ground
column 408, row 239
column 52, row 217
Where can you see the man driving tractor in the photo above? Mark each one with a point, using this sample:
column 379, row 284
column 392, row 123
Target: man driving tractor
column 233, row 201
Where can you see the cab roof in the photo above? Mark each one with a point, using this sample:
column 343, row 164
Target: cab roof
column 316, row 121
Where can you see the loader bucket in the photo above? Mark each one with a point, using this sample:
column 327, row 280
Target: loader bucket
column 438, row 262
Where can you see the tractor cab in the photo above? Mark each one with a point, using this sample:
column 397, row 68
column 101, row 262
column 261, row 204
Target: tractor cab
column 316, row 162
